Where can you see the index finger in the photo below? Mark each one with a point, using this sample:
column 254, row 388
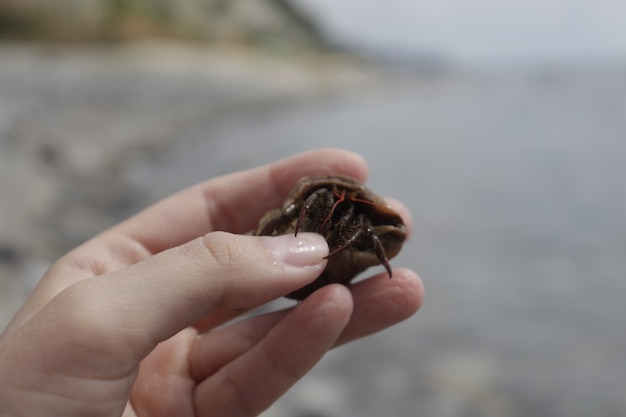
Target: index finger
column 234, row 202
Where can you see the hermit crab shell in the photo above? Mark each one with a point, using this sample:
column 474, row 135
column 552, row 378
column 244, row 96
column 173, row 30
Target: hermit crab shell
column 354, row 205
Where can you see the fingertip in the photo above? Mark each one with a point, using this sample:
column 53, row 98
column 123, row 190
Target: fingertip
column 343, row 161
column 409, row 287
column 353, row 162
column 325, row 161
column 258, row 269
column 304, row 250
column 396, row 299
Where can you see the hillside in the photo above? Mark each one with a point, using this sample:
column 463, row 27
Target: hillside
column 266, row 23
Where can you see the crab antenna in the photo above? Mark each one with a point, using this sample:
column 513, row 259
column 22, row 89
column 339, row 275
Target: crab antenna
column 340, row 199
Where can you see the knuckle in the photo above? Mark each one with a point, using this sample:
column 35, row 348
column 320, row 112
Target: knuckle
column 223, row 250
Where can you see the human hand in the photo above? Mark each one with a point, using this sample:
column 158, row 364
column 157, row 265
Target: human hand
column 124, row 324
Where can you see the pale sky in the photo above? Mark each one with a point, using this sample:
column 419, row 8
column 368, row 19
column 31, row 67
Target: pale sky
column 479, row 30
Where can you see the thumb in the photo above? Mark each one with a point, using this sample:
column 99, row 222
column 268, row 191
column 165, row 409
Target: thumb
column 173, row 289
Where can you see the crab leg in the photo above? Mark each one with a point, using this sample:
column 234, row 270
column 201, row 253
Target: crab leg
column 381, row 254
column 308, row 204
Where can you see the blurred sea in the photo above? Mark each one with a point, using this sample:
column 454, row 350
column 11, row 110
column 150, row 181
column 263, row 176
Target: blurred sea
column 517, row 185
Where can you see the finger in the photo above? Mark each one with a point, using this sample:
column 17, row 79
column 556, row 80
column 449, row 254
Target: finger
column 379, row 302
column 235, row 202
column 154, row 299
column 214, row 349
column 251, row 383
column 218, row 317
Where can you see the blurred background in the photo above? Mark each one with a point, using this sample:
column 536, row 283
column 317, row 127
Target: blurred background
column 500, row 124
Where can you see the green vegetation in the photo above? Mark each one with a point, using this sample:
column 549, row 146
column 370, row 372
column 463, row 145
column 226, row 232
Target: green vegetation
column 263, row 22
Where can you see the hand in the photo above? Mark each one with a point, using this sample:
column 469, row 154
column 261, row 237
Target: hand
column 122, row 325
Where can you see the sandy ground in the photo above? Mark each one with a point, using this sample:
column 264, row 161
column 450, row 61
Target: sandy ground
column 73, row 120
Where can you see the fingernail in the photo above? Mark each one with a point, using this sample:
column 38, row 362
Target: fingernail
column 306, row 249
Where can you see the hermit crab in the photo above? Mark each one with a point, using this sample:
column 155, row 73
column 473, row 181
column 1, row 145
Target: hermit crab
column 361, row 229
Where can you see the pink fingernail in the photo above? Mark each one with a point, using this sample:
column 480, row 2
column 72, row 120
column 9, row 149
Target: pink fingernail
column 306, row 249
